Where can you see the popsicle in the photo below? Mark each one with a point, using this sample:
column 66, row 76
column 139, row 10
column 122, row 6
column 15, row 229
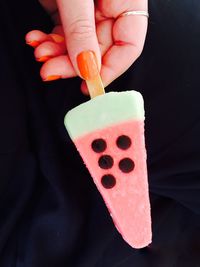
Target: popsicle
column 108, row 132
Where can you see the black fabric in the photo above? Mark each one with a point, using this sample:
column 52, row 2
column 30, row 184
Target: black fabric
column 51, row 214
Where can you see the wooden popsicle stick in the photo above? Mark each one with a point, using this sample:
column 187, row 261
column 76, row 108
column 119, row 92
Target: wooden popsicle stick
column 95, row 86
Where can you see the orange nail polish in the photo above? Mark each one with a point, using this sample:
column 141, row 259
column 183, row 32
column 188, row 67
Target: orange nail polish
column 52, row 78
column 43, row 59
column 87, row 64
column 33, row 43
column 57, row 38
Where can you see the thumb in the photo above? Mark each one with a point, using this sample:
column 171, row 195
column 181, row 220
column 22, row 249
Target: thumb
column 78, row 21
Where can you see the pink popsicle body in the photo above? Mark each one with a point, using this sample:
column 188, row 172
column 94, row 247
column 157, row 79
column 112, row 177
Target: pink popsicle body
column 126, row 194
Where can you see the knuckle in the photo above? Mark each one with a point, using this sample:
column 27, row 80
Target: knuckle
column 81, row 29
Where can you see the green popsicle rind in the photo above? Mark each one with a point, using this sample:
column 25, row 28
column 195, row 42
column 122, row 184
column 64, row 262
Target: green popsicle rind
column 104, row 110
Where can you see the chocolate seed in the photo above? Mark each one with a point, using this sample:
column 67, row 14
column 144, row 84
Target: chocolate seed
column 126, row 165
column 123, row 142
column 108, row 181
column 99, row 145
column 106, row 162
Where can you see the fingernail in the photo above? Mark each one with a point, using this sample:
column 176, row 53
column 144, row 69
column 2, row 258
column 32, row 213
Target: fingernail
column 87, row 64
column 57, row 38
column 33, row 43
column 43, row 59
column 52, row 78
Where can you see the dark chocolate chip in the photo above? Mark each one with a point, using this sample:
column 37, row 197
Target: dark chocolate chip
column 99, row 145
column 105, row 162
column 126, row 165
column 108, row 181
column 123, row 142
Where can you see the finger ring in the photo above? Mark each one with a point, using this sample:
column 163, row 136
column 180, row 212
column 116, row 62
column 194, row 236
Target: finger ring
column 133, row 13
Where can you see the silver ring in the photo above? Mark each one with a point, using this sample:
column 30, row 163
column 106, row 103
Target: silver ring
column 133, row 13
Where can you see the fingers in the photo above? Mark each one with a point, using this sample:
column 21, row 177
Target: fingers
column 47, row 45
column 56, row 68
column 104, row 33
column 79, row 28
column 128, row 40
column 120, row 40
column 48, row 50
column 36, row 37
column 61, row 66
column 128, row 37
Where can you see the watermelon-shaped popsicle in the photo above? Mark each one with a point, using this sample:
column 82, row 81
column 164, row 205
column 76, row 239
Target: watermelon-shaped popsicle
column 108, row 132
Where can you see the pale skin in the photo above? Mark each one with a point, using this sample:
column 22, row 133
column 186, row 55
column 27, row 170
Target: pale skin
column 90, row 25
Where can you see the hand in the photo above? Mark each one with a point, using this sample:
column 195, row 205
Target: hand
column 83, row 25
